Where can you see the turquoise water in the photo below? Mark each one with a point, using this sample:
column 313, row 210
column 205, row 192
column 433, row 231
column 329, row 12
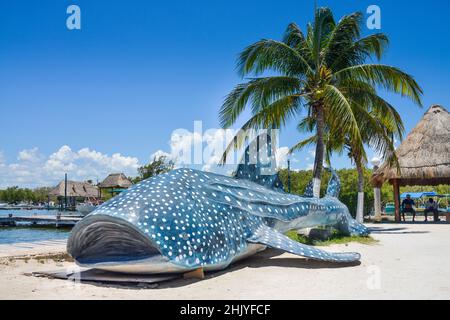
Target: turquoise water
column 20, row 234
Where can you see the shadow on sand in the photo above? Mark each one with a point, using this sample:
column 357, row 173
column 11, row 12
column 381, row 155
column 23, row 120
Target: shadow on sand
column 263, row 260
column 107, row 279
column 378, row 230
column 404, row 230
column 260, row 260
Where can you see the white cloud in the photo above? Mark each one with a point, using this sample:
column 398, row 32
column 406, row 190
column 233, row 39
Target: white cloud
column 31, row 155
column 159, row 154
column 193, row 149
column 33, row 169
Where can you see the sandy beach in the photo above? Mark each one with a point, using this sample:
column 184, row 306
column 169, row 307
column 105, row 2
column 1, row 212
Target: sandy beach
column 410, row 261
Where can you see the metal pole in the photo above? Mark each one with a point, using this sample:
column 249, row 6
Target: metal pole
column 65, row 192
column 377, row 200
column 289, row 175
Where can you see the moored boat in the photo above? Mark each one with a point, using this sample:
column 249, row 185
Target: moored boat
column 85, row 208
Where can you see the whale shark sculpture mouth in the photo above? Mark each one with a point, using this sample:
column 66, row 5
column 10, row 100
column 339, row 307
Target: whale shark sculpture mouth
column 113, row 244
column 103, row 239
column 188, row 219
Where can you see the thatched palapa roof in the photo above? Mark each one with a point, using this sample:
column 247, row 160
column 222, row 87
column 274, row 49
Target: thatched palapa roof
column 116, row 180
column 75, row 189
column 424, row 155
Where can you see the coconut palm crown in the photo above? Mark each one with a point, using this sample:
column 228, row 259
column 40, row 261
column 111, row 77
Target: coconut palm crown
column 326, row 73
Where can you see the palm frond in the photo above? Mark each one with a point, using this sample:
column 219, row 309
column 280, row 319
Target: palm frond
column 340, row 113
column 306, row 124
column 260, row 92
column 273, row 55
column 343, row 35
column 365, row 94
column 323, row 25
column 274, row 115
column 388, row 77
column 359, row 51
column 303, row 143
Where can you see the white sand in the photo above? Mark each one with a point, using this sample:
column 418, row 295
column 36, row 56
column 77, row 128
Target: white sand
column 411, row 261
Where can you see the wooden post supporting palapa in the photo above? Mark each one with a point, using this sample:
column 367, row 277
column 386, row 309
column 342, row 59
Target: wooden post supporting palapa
column 396, row 186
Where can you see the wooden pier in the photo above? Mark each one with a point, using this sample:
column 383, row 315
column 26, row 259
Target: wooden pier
column 57, row 221
column 30, row 207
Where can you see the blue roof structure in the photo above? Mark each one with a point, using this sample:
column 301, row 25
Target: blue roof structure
column 418, row 195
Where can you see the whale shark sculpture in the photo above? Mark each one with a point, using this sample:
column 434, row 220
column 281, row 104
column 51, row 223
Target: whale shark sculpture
column 186, row 219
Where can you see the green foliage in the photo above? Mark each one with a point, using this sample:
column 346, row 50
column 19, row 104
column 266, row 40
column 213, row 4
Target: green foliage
column 16, row 194
column 158, row 166
column 336, row 238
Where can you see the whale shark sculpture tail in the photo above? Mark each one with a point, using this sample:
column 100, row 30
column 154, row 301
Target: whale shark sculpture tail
column 334, row 185
column 333, row 188
column 309, row 190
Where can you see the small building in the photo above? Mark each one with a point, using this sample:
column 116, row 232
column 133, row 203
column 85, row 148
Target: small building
column 114, row 184
column 69, row 194
column 424, row 156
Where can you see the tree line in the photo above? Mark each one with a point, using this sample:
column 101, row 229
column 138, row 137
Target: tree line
column 299, row 180
column 16, row 195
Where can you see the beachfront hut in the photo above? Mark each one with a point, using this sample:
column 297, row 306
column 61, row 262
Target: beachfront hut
column 115, row 183
column 75, row 191
column 424, row 156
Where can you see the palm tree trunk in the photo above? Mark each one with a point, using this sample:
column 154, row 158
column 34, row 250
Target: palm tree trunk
column 320, row 148
column 360, row 204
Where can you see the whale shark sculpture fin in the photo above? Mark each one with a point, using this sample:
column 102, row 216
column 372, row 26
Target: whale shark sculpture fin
column 258, row 163
column 309, row 190
column 272, row 238
column 334, row 184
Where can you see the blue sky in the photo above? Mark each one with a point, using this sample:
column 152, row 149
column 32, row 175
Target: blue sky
column 137, row 70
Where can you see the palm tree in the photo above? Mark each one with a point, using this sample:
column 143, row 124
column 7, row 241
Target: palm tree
column 378, row 131
column 323, row 73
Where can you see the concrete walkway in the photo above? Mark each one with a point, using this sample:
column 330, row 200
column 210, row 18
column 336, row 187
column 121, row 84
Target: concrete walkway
column 32, row 248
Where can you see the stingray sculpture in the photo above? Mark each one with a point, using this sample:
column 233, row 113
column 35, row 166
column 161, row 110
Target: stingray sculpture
column 186, row 220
